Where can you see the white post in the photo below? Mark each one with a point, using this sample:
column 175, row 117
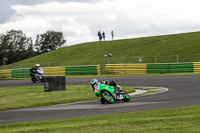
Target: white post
column 139, row 60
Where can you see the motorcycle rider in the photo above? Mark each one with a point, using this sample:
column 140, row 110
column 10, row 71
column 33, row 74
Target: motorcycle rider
column 34, row 69
column 118, row 89
column 94, row 82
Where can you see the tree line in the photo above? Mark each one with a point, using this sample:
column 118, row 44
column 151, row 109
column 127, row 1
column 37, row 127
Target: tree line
column 16, row 46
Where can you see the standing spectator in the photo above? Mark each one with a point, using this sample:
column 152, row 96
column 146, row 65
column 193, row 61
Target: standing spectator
column 100, row 36
column 112, row 34
column 104, row 37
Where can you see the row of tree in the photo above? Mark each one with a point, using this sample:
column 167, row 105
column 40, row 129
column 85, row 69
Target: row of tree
column 16, row 46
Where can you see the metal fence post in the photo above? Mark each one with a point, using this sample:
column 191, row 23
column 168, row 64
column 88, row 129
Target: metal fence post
column 101, row 70
column 92, row 60
column 107, row 60
column 177, row 58
column 156, row 60
column 77, row 62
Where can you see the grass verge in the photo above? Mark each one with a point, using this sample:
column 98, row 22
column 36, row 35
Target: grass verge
column 179, row 120
column 165, row 48
column 24, row 97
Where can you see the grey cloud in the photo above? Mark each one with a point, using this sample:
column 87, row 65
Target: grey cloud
column 6, row 12
column 35, row 2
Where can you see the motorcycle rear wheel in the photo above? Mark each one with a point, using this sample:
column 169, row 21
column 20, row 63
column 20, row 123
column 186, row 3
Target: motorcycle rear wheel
column 102, row 101
column 107, row 97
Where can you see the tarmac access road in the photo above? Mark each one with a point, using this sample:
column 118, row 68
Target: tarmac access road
column 183, row 91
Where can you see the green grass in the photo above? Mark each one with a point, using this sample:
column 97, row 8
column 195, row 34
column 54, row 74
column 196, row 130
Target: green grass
column 185, row 45
column 24, row 97
column 179, row 120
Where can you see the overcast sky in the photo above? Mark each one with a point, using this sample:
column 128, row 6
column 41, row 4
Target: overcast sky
column 80, row 20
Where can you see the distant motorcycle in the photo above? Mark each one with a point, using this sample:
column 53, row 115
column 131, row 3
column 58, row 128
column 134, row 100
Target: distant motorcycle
column 109, row 94
column 38, row 76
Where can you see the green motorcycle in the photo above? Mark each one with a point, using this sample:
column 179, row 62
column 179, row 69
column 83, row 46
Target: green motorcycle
column 110, row 94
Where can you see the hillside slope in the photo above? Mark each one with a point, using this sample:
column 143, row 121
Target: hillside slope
column 186, row 45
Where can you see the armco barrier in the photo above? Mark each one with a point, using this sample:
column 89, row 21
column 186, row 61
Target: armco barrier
column 167, row 68
column 159, row 68
column 20, row 73
column 126, row 68
column 83, row 70
column 196, row 67
column 54, row 71
column 5, row 74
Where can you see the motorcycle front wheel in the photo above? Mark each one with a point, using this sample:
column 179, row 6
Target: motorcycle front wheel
column 33, row 80
column 107, row 97
column 126, row 98
column 42, row 79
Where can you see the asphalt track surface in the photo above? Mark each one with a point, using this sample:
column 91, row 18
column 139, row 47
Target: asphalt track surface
column 183, row 91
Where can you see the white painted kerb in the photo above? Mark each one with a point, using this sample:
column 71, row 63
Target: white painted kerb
column 138, row 92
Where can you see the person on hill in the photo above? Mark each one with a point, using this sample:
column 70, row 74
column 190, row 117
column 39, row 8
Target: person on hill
column 100, row 36
column 112, row 34
column 104, row 37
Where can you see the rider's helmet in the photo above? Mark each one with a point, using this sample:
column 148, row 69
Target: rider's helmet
column 37, row 65
column 93, row 82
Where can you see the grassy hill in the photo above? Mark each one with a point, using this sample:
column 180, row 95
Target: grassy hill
column 166, row 48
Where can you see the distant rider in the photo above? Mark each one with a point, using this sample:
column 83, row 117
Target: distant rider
column 34, row 69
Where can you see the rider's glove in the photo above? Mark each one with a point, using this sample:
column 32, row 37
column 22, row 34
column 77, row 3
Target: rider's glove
column 118, row 87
